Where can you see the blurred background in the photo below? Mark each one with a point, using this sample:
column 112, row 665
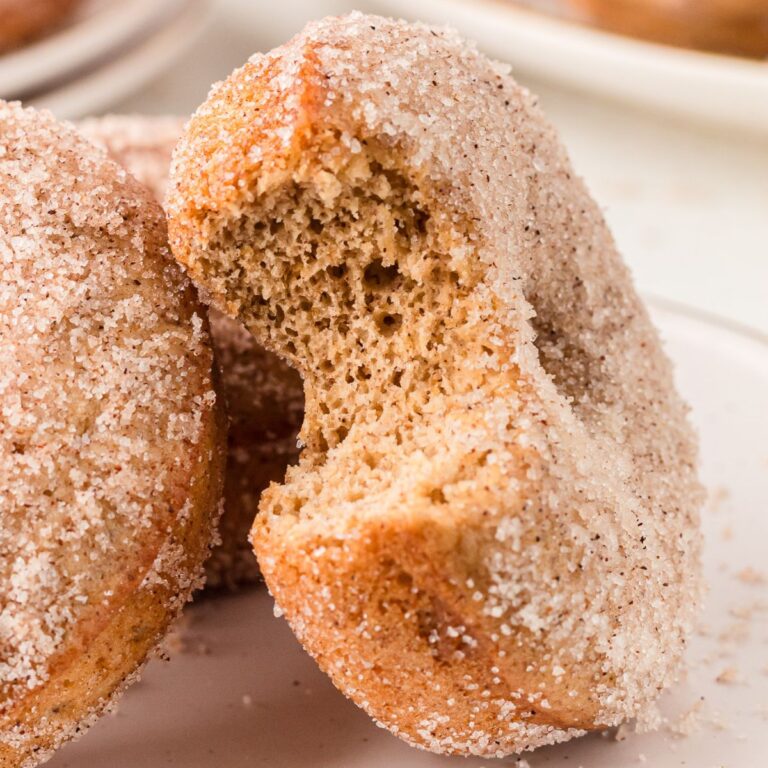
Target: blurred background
column 663, row 104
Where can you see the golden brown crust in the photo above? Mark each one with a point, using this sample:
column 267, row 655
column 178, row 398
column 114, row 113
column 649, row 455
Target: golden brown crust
column 24, row 20
column 491, row 540
column 264, row 395
column 724, row 26
column 111, row 450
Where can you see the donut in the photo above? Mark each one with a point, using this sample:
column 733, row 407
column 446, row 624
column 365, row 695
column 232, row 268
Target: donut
column 111, row 433
column 263, row 394
column 491, row 539
column 266, row 405
column 141, row 144
column 24, row 20
column 737, row 27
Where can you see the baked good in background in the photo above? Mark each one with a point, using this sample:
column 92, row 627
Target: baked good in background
column 142, row 144
column 112, row 434
column 264, row 395
column 491, row 540
column 22, row 21
column 738, row 27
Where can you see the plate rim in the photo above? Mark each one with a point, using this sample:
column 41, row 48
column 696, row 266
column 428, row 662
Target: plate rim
column 81, row 43
column 720, row 89
column 89, row 92
column 675, row 307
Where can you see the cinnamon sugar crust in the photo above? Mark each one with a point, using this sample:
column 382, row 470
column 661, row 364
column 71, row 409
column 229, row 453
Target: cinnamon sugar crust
column 111, row 433
column 491, row 540
column 141, row 144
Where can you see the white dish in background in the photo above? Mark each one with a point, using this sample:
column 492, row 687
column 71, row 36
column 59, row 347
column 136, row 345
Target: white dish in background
column 245, row 695
column 723, row 89
column 95, row 32
column 116, row 79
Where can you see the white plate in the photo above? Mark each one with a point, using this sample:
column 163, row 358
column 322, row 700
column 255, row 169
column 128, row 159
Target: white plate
column 724, row 89
column 98, row 30
column 119, row 78
column 244, row 694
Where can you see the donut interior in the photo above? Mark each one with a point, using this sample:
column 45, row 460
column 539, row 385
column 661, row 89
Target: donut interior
column 348, row 271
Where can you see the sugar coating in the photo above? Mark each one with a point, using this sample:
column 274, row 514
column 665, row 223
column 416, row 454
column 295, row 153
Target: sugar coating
column 264, row 395
column 109, row 444
column 491, row 541
column 141, row 144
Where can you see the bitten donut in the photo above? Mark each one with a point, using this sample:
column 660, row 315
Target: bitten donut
column 264, row 395
column 725, row 26
column 24, row 20
column 491, row 540
column 111, row 433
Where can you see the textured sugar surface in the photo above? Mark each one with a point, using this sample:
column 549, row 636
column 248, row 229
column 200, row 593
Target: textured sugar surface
column 264, row 396
column 141, row 144
column 104, row 388
column 587, row 550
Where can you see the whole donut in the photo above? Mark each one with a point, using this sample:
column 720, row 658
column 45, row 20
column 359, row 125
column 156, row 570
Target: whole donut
column 264, row 395
column 491, row 540
column 111, row 433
